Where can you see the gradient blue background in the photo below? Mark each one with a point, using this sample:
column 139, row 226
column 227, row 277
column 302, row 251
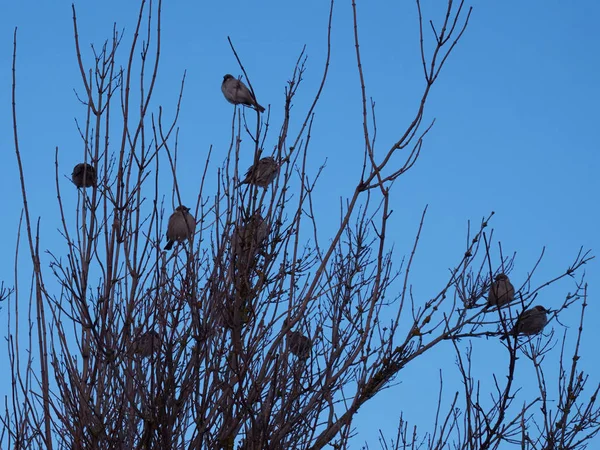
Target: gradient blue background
column 516, row 133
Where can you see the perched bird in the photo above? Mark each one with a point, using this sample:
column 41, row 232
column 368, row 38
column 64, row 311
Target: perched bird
column 181, row 226
column 299, row 344
column 84, row 175
column 501, row 291
column 248, row 237
column 237, row 93
column 262, row 173
column 146, row 344
column 530, row 322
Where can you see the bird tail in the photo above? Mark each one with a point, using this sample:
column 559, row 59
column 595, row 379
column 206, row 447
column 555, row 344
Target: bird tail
column 169, row 245
column 241, row 183
column 260, row 108
column 512, row 333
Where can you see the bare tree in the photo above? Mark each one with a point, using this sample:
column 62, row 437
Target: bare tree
column 252, row 332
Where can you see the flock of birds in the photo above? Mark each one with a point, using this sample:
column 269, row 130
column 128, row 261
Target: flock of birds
column 248, row 237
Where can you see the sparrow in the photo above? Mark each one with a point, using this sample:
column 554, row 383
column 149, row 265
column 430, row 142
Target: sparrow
column 84, row 175
column 146, row 344
column 248, row 237
column 299, row 344
column 237, row 93
column 181, row 226
column 262, row 173
column 501, row 291
column 530, row 322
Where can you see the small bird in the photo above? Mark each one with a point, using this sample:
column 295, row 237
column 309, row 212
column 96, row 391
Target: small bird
column 146, row 344
column 181, row 226
column 248, row 238
column 237, row 93
column 530, row 322
column 299, row 344
column 84, row 175
column 262, row 173
column 501, row 291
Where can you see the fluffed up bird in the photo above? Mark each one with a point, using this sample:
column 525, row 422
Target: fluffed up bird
column 299, row 344
column 237, row 93
column 146, row 344
column 530, row 322
column 501, row 291
column 181, row 226
column 248, row 237
column 262, row 173
column 84, row 175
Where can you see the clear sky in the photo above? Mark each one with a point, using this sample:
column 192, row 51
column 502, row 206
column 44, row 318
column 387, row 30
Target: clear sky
column 516, row 131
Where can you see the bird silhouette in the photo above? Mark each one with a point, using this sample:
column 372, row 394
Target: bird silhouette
column 501, row 291
column 146, row 344
column 529, row 322
column 299, row 344
column 181, row 226
column 84, row 175
column 249, row 236
column 237, row 93
column 262, row 173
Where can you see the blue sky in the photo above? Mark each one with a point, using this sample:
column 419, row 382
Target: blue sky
column 516, row 128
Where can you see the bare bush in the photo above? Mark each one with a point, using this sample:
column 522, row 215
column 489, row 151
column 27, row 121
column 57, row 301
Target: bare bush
column 252, row 332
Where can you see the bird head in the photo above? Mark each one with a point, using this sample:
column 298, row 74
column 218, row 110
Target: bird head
column 227, row 77
column 285, row 325
column 182, row 208
column 501, row 277
column 541, row 309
